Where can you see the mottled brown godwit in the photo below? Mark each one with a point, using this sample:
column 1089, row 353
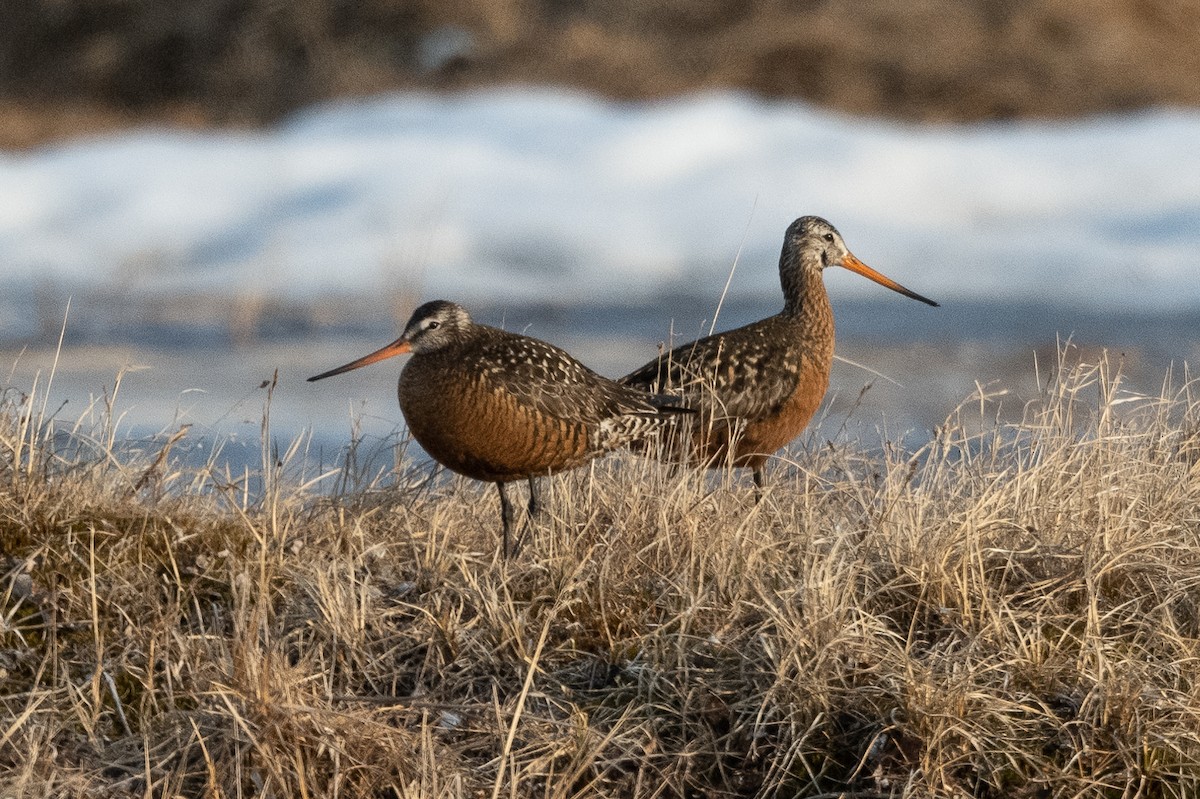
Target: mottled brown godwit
column 497, row 406
column 757, row 387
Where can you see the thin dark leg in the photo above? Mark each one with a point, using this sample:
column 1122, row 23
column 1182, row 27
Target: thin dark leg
column 535, row 504
column 758, row 485
column 534, row 507
column 506, row 517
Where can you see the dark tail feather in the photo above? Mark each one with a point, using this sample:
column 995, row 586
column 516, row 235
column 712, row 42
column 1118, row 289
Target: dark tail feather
column 665, row 402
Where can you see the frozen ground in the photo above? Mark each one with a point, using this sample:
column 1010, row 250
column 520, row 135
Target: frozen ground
column 538, row 195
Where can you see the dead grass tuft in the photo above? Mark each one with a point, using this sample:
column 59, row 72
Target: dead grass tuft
column 1011, row 610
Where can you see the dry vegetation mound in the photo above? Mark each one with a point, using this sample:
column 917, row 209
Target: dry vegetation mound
column 1012, row 610
column 67, row 66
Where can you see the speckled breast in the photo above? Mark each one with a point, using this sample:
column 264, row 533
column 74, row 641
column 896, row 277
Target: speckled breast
column 467, row 421
column 766, row 436
column 748, row 440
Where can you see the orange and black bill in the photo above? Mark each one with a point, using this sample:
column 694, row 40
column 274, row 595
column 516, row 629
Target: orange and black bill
column 855, row 265
column 397, row 347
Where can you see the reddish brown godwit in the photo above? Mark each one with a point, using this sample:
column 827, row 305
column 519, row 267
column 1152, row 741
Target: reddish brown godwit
column 499, row 407
column 757, row 387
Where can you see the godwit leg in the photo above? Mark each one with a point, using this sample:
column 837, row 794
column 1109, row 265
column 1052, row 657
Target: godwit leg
column 506, row 517
column 758, row 484
column 535, row 505
column 506, row 514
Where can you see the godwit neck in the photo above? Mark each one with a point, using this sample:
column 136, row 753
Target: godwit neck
column 804, row 297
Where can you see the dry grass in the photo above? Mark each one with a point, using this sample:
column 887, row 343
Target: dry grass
column 1008, row 613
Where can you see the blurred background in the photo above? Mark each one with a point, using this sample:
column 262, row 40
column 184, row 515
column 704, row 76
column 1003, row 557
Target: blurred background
column 229, row 190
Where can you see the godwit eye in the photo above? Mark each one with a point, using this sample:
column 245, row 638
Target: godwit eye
column 828, row 237
column 433, row 324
